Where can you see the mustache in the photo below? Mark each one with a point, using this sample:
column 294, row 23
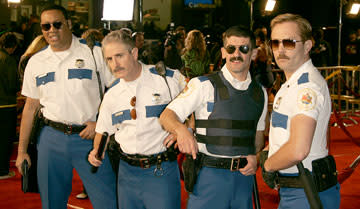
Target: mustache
column 236, row 59
column 118, row 69
column 282, row 56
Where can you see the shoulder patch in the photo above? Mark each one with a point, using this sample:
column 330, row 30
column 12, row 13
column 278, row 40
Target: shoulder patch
column 304, row 78
column 306, row 99
column 203, row 78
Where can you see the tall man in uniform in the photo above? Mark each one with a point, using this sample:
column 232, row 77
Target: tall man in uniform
column 230, row 110
column 62, row 78
column 300, row 116
column 148, row 174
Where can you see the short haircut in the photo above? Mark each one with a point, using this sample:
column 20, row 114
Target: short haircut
column 119, row 36
column 8, row 40
column 303, row 25
column 50, row 6
column 239, row 31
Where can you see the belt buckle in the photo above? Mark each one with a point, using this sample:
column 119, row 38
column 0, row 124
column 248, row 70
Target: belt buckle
column 68, row 129
column 235, row 164
column 144, row 163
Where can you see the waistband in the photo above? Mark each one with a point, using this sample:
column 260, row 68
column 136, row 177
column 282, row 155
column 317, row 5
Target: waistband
column 146, row 161
column 67, row 129
column 232, row 164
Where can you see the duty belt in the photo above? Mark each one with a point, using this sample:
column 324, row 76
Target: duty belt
column 233, row 164
column 146, row 161
column 289, row 181
column 67, row 129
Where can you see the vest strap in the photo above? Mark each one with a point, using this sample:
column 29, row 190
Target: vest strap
column 226, row 140
column 226, row 124
column 215, row 78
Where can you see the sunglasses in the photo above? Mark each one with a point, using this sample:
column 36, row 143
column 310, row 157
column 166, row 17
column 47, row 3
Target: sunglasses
column 47, row 26
column 230, row 49
column 289, row 44
column 133, row 111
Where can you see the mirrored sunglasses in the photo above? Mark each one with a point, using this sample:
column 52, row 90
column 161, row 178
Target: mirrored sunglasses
column 289, row 44
column 47, row 26
column 230, row 49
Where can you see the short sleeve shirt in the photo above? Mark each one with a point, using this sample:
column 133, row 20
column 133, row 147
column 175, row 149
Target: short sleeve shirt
column 66, row 82
column 306, row 93
column 143, row 135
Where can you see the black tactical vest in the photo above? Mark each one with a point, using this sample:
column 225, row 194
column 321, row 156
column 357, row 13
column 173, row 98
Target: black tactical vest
column 231, row 126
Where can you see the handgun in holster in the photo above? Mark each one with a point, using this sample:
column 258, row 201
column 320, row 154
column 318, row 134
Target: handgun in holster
column 191, row 169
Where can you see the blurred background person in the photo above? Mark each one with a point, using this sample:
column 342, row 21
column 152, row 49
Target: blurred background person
column 172, row 52
column 196, row 58
column 9, row 86
column 36, row 45
column 321, row 53
column 352, row 50
column 143, row 53
column 97, row 34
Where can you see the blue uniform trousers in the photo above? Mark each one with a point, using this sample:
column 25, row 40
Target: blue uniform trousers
column 58, row 154
column 139, row 188
column 295, row 198
column 221, row 189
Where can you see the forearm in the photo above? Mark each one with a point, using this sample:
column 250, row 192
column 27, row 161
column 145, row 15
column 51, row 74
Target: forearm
column 97, row 140
column 171, row 122
column 27, row 123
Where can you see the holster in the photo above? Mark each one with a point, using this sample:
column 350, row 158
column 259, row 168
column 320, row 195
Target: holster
column 31, row 178
column 113, row 150
column 191, row 169
column 324, row 173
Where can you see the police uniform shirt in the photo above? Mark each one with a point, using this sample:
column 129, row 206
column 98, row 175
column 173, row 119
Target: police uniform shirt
column 66, row 83
column 307, row 93
column 144, row 135
column 199, row 94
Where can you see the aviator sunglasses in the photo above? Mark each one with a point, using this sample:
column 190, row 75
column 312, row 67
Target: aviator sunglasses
column 133, row 111
column 47, row 26
column 230, row 49
column 289, row 44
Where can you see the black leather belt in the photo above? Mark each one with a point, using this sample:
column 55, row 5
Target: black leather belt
column 232, row 164
column 289, row 181
column 67, row 129
column 146, row 161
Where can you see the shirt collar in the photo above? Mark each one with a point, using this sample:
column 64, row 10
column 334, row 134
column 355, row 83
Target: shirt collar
column 239, row 85
column 296, row 75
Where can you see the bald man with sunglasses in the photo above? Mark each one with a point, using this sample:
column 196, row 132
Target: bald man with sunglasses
column 299, row 120
column 62, row 78
column 230, row 110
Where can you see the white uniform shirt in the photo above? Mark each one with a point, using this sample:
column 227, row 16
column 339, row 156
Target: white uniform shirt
column 144, row 135
column 306, row 92
column 66, row 83
column 199, row 94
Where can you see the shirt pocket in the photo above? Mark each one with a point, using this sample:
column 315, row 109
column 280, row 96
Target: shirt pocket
column 46, row 84
column 80, row 80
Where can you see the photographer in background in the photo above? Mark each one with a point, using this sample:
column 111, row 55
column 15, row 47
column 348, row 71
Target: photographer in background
column 173, row 50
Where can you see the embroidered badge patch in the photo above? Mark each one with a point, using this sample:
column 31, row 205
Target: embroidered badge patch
column 306, row 99
column 79, row 63
column 277, row 103
column 187, row 90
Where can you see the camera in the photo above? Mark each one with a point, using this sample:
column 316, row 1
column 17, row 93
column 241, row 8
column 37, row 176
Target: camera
column 171, row 38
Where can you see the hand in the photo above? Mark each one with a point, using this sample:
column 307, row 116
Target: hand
column 186, row 141
column 170, row 140
column 92, row 158
column 20, row 159
column 251, row 166
column 89, row 130
column 269, row 178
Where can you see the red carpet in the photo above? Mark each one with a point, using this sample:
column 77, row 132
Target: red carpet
column 341, row 147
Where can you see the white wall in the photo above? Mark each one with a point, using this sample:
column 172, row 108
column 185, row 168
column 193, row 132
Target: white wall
column 164, row 11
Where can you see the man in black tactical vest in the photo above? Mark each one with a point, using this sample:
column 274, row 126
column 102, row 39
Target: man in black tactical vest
column 230, row 110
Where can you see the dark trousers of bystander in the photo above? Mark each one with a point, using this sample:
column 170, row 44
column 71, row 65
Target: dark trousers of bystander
column 7, row 136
